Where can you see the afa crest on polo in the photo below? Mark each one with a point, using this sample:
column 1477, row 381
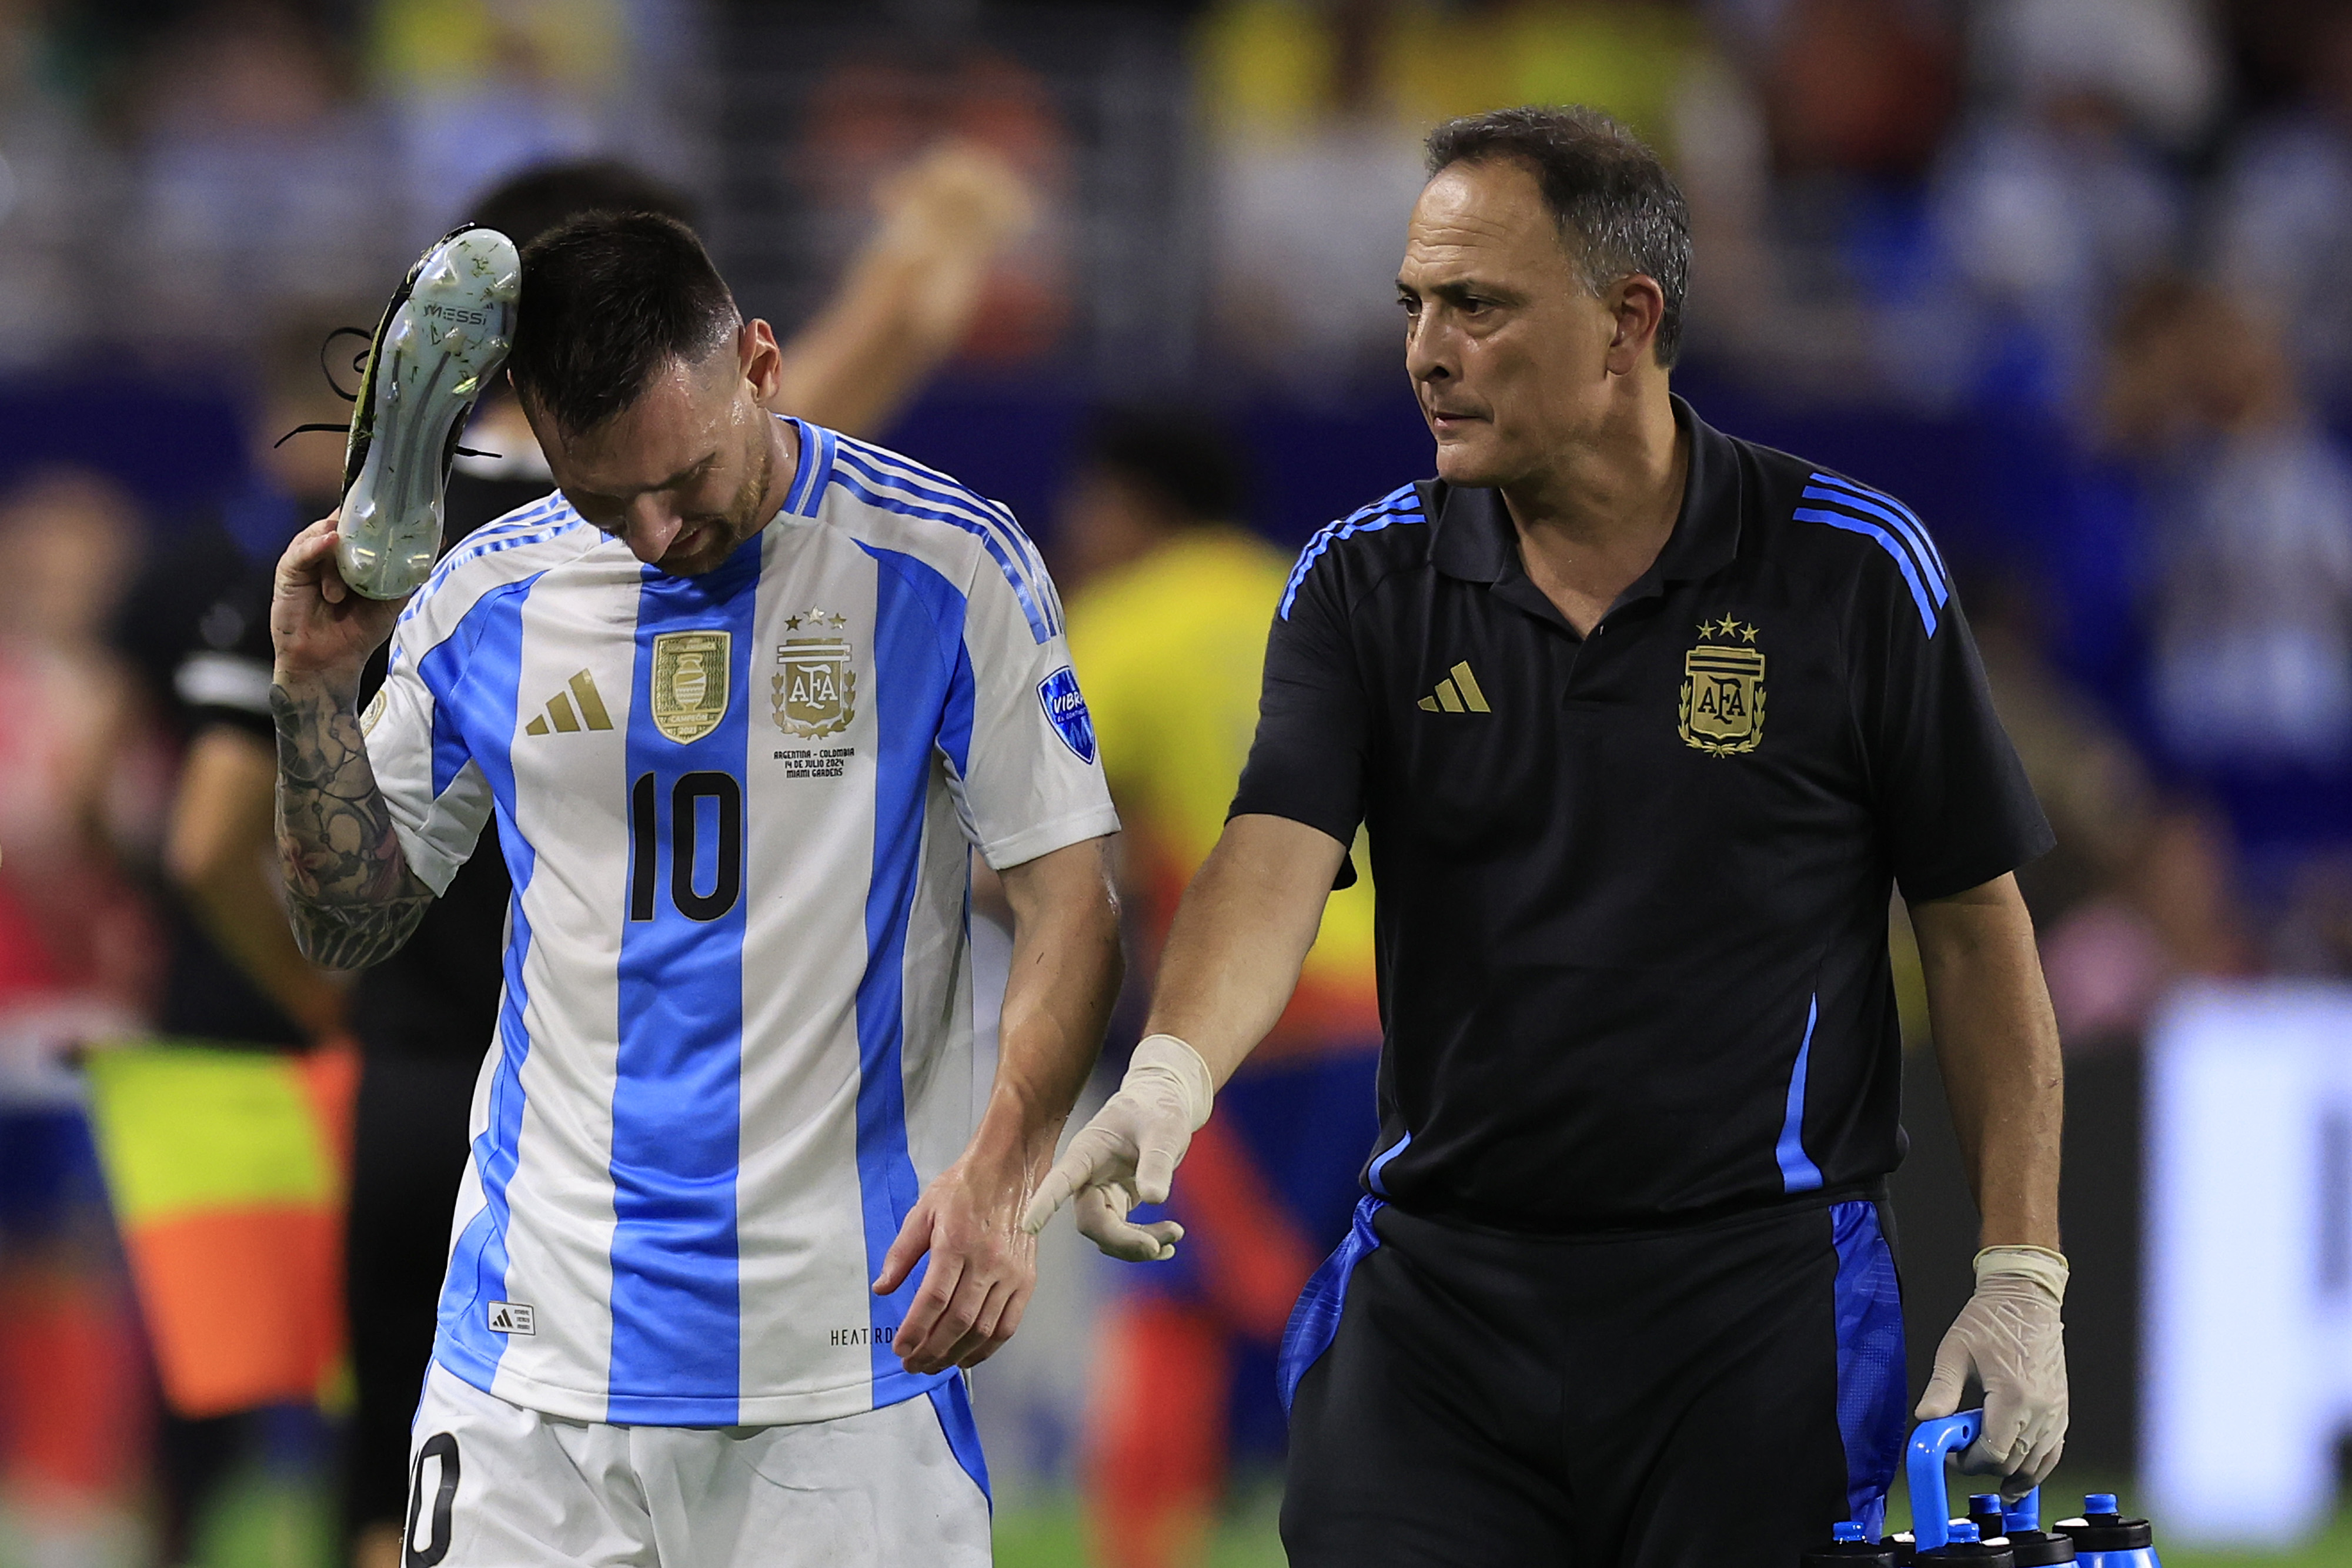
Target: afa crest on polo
column 1722, row 707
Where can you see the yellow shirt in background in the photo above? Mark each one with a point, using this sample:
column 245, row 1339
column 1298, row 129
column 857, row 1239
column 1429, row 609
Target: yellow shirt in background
column 1170, row 652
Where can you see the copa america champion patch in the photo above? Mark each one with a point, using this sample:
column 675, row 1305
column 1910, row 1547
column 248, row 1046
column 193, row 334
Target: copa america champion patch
column 1066, row 710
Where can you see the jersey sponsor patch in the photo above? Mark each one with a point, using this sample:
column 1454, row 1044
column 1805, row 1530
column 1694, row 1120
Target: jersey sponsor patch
column 513, row 1317
column 1066, row 710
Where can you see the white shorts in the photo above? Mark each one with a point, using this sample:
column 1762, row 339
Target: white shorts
column 492, row 1485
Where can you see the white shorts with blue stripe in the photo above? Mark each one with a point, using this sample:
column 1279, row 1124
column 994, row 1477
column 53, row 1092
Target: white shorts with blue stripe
column 493, row 1485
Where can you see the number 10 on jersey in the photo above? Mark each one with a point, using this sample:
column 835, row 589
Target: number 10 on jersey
column 683, row 838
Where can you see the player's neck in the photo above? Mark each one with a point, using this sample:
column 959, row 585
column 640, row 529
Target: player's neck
column 784, row 467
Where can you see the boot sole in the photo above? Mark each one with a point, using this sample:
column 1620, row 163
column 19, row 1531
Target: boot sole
column 438, row 352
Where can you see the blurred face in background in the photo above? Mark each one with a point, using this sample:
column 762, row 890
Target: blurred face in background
column 1106, row 520
column 66, row 542
column 1510, row 354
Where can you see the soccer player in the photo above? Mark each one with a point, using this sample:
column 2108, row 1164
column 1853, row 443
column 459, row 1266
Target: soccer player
column 743, row 697
column 1643, row 722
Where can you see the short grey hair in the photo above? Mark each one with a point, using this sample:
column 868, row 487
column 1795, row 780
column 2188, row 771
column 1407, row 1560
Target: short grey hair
column 1603, row 185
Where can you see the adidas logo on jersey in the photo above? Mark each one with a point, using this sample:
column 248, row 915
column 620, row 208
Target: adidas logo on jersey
column 1459, row 691
column 561, row 714
column 515, row 1317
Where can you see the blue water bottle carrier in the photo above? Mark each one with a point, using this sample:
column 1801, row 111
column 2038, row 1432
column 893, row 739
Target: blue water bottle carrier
column 2101, row 1538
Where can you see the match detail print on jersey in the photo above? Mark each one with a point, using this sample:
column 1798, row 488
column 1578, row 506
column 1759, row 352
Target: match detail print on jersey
column 1722, row 704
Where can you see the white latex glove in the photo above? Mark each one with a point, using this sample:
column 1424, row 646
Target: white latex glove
column 2010, row 1334
column 1127, row 1154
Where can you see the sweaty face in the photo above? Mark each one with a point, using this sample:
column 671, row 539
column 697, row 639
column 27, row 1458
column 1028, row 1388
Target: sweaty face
column 1505, row 344
column 682, row 475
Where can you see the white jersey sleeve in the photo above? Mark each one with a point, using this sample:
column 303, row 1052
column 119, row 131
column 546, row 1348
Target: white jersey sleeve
column 1032, row 782
column 436, row 790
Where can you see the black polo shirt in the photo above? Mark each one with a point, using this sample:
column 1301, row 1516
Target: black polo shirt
column 1634, row 887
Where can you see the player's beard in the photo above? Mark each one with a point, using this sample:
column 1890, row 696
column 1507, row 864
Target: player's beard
column 745, row 515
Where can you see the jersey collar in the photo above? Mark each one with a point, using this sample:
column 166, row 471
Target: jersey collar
column 1472, row 539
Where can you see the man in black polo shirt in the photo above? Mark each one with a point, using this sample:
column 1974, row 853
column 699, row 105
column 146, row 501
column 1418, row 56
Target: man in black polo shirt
column 1643, row 722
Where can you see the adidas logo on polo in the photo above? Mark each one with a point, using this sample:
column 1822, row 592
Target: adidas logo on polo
column 559, row 711
column 1457, row 694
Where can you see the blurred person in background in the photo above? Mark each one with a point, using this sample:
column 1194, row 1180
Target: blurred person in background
column 2283, row 207
column 78, row 782
column 257, row 172
column 1167, row 619
column 232, row 975
column 2058, row 191
column 2247, row 500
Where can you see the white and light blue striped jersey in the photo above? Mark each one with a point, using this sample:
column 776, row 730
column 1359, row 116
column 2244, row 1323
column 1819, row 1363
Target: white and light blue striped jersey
column 739, row 808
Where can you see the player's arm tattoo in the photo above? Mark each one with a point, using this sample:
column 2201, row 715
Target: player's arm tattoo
column 353, row 898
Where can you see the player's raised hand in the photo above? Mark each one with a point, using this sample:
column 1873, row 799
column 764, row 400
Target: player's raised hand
column 317, row 627
column 1128, row 1153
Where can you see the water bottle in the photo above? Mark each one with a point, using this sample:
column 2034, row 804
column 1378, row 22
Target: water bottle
column 1848, row 1547
column 1962, row 1544
column 2019, row 1524
column 2104, row 1538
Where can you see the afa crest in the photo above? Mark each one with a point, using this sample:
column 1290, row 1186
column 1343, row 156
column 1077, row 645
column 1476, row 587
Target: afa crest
column 1723, row 690
column 815, row 683
column 689, row 695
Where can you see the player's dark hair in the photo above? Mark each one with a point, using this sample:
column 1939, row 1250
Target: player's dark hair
column 1183, row 457
column 608, row 299
column 1604, row 187
column 526, row 205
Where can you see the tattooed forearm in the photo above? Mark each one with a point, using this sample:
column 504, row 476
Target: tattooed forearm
column 354, row 900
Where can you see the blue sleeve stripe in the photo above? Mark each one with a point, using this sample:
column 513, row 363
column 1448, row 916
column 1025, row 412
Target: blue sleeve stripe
column 1931, row 570
column 475, row 548
column 1399, row 505
column 1040, row 627
column 1886, row 542
column 920, row 484
column 1881, row 497
column 912, row 476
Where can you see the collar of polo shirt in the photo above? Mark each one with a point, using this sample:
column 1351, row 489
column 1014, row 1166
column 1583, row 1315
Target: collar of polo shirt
column 1474, row 539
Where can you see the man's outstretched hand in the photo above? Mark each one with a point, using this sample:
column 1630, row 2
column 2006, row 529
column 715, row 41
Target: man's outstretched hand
column 1127, row 1154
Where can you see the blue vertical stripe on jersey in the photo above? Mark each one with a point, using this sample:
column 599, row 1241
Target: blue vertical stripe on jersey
column 953, row 1401
column 1899, row 519
column 677, row 1095
column 918, row 634
column 474, row 676
column 1798, row 1171
column 1380, row 1163
column 1315, row 1321
column 1870, row 1364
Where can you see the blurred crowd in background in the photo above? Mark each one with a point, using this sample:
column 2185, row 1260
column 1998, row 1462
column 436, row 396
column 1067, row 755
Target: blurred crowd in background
column 2074, row 277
